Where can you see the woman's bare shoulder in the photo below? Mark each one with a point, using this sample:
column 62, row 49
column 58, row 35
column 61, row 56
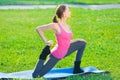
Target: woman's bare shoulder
column 53, row 24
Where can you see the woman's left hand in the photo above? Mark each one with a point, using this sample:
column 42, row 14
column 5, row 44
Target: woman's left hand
column 49, row 43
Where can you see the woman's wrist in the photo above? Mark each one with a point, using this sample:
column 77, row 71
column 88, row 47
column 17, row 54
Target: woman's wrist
column 46, row 42
column 49, row 43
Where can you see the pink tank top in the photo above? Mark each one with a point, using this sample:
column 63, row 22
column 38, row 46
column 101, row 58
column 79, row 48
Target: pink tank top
column 63, row 43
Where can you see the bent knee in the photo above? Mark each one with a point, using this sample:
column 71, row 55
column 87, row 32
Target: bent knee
column 81, row 41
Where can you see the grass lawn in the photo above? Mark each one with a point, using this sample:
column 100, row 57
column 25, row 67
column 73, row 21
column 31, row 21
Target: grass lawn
column 20, row 44
column 4, row 2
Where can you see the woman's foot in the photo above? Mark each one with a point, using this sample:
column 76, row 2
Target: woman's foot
column 78, row 71
column 77, row 68
column 35, row 75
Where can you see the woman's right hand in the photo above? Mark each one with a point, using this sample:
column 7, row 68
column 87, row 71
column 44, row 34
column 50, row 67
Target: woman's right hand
column 49, row 43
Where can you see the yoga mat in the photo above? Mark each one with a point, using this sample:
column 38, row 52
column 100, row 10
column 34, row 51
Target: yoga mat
column 55, row 73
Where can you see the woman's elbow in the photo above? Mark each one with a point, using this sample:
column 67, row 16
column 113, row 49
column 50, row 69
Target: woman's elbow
column 38, row 29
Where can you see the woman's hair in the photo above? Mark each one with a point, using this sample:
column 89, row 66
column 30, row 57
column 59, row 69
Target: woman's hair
column 59, row 12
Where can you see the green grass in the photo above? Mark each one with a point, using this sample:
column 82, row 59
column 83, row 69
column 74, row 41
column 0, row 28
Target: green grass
column 4, row 2
column 100, row 76
column 20, row 44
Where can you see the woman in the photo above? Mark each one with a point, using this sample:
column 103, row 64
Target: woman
column 64, row 46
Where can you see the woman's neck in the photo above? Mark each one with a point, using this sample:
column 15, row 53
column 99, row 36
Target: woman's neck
column 63, row 20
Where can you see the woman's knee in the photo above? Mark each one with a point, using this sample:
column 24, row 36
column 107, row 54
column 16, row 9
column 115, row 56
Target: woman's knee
column 81, row 41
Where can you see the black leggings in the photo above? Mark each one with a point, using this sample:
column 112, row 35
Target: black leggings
column 42, row 68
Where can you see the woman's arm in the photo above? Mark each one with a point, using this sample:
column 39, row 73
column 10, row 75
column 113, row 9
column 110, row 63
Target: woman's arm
column 40, row 29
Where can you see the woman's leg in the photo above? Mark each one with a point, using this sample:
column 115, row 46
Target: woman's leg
column 46, row 67
column 42, row 58
column 79, row 46
column 38, row 67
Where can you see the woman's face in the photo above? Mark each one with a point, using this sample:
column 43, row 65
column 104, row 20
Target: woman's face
column 67, row 13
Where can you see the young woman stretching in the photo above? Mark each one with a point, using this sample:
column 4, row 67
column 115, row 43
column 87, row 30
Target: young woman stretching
column 64, row 47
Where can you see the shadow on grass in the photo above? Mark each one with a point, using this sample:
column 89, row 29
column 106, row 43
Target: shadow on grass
column 91, row 76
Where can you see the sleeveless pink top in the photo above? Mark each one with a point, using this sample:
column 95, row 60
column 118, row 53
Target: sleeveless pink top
column 63, row 43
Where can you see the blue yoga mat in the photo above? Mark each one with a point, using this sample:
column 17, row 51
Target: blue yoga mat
column 52, row 74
